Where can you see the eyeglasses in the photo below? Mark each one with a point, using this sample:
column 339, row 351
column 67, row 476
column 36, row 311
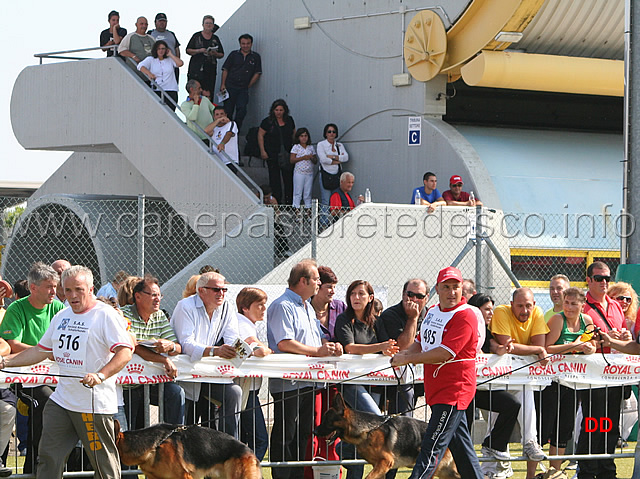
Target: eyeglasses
column 457, row 185
column 599, row 278
column 411, row 294
column 216, row 290
column 153, row 295
column 626, row 299
column 332, row 131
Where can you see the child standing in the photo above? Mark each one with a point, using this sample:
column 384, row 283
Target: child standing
column 303, row 156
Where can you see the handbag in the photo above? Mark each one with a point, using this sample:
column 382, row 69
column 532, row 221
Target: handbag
column 284, row 161
column 331, row 181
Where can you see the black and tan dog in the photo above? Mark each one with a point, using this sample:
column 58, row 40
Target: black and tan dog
column 385, row 442
column 168, row 451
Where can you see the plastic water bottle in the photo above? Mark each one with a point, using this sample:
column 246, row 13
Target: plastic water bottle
column 367, row 195
column 472, row 197
column 417, row 199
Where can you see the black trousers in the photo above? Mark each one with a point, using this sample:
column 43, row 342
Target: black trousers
column 40, row 396
column 507, row 406
column 599, row 403
column 292, row 424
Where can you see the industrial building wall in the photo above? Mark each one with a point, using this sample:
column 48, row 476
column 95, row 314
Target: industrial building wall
column 340, row 70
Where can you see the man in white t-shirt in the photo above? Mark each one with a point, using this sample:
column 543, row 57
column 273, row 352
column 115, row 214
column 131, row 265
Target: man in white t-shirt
column 225, row 134
column 90, row 343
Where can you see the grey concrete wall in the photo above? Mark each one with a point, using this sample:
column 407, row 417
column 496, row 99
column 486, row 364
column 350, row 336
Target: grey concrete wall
column 100, row 105
column 89, row 173
column 386, row 244
column 340, row 70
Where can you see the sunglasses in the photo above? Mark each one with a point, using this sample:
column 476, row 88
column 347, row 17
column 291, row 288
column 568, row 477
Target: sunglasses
column 332, row 131
column 599, row 278
column 626, row 299
column 457, row 185
column 216, row 290
column 411, row 294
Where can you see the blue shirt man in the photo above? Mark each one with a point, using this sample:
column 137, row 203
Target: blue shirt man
column 429, row 194
column 292, row 328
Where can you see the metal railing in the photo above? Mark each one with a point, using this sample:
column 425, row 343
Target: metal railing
column 420, row 411
column 164, row 99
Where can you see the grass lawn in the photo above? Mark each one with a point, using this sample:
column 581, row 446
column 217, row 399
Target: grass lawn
column 625, row 466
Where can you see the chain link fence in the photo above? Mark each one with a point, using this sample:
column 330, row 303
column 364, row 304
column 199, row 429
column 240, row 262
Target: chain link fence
column 385, row 244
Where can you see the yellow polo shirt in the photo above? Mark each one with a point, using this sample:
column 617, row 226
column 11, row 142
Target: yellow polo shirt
column 504, row 322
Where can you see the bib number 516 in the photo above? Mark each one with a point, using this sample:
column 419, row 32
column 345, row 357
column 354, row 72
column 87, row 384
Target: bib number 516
column 67, row 341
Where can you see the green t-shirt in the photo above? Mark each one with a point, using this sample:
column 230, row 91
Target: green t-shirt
column 27, row 324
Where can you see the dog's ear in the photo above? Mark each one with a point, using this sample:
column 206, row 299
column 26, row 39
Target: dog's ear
column 116, row 427
column 338, row 403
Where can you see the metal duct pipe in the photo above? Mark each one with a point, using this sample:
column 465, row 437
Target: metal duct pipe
column 524, row 71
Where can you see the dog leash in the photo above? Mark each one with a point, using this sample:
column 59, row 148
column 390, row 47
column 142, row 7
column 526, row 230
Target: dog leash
column 585, row 337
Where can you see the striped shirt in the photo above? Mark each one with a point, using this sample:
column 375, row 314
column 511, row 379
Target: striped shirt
column 157, row 327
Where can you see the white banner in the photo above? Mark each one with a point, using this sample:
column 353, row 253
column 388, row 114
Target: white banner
column 575, row 371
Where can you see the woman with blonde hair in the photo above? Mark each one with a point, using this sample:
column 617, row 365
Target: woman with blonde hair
column 190, row 288
column 627, row 298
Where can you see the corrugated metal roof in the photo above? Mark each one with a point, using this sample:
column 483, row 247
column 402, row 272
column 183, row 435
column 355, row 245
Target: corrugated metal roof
column 578, row 28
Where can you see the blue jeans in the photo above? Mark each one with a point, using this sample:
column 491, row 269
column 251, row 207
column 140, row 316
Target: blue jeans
column 238, row 101
column 360, row 399
column 447, row 428
column 325, row 196
column 173, row 404
column 229, row 396
column 253, row 430
column 121, row 417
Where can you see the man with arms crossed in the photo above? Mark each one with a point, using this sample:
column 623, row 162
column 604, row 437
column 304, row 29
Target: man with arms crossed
column 89, row 342
column 448, row 339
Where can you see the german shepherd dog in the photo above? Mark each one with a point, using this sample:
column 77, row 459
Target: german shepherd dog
column 169, row 451
column 385, row 442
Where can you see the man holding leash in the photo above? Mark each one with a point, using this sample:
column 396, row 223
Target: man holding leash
column 448, row 340
column 89, row 342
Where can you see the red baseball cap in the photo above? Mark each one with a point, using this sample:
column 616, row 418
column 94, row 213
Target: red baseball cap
column 449, row 273
column 455, row 179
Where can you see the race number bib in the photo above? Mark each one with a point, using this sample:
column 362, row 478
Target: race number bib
column 70, row 344
column 432, row 329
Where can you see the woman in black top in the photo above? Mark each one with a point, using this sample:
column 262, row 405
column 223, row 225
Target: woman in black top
column 357, row 331
column 205, row 49
column 275, row 139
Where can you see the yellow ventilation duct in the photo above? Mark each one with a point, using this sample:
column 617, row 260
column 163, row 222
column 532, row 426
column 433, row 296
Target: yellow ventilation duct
column 523, row 71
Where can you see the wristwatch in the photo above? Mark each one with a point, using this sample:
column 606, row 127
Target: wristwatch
column 101, row 376
column 211, row 351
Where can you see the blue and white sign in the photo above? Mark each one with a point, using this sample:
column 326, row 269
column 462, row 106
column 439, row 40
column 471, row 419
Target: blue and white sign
column 415, row 130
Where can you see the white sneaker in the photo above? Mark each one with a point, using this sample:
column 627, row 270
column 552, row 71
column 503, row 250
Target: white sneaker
column 490, row 452
column 533, row 451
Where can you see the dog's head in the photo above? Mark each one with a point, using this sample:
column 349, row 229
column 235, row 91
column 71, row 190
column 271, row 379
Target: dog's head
column 334, row 422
